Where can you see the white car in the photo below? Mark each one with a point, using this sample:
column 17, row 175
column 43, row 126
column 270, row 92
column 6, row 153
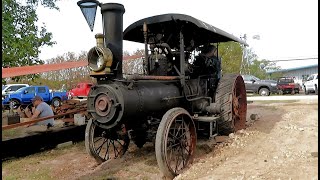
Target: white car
column 311, row 85
column 10, row 88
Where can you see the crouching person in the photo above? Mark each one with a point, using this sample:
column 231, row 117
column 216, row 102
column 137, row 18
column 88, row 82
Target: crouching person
column 41, row 109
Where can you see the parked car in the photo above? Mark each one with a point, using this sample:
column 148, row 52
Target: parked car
column 287, row 85
column 10, row 88
column 311, row 85
column 81, row 90
column 24, row 96
column 262, row 87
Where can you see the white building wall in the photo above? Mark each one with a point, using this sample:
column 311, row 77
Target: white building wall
column 299, row 73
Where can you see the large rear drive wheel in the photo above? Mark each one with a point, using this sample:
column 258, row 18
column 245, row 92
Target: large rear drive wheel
column 175, row 142
column 231, row 95
column 105, row 144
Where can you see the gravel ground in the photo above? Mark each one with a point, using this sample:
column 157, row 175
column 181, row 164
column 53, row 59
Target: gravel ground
column 288, row 97
column 280, row 142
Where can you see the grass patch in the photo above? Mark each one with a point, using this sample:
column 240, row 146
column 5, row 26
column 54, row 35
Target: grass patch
column 13, row 133
column 30, row 167
column 9, row 133
column 43, row 173
column 17, row 169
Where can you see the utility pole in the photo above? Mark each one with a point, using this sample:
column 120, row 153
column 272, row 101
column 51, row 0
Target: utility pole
column 244, row 68
column 245, row 61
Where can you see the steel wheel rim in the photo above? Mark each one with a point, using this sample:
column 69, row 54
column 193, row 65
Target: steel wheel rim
column 263, row 93
column 179, row 144
column 14, row 104
column 239, row 105
column 106, row 144
column 56, row 103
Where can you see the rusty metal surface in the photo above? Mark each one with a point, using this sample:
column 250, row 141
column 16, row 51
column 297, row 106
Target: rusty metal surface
column 68, row 120
column 239, row 103
column 231, row 95
column 139, row 77
column 66, row 110
column 177, row 140
column 40, row 119
column 103, row 105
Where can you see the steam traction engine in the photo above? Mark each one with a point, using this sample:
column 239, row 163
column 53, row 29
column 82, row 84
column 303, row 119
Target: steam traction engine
column 180, row 96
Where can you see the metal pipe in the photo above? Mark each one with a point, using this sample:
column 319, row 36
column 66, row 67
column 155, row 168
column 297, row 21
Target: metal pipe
column 182, row 61
column 145, row 61
column 139, row 77
column 206, row 118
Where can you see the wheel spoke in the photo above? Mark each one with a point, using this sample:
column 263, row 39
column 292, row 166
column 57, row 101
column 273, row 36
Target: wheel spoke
column 177, row 160
column 105, row 144
column 115, row 150
column 100, row 147
column 179, row 128
column 185, row 132
column 107, row 151
column 183, row 158
column 98, row 139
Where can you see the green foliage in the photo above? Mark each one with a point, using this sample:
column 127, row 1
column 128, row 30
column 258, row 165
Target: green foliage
column 46, row 3
column 231, row 56
column 256, row 70
column 21, row 37
column 259, row 69
column 275, row 76
column 231, row 59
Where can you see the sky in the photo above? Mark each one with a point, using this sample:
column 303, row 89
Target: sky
column 288, row 29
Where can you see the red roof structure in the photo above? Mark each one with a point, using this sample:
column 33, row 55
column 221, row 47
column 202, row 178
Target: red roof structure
column 25, row 70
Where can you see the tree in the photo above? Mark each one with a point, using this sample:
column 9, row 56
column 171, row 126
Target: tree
column 21, row 38
column 133, row 66
column 231, row 56
column 259, row 69
column 69, row 77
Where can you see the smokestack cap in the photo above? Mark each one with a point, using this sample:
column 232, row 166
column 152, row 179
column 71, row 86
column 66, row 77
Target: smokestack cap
column 112, row 7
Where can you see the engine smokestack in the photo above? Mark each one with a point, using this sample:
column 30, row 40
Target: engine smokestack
column 112, row 19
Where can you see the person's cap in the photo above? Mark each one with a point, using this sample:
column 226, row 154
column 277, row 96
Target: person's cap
column 37, row 98
column 208, row 48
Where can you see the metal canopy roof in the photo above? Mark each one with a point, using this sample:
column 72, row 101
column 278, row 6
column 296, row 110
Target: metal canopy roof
column 170, row 24
column 293, row 69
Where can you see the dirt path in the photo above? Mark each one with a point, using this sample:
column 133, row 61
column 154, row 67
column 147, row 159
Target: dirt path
column 281, row 144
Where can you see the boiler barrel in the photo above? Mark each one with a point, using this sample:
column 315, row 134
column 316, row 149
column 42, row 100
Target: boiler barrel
column 111, row 103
